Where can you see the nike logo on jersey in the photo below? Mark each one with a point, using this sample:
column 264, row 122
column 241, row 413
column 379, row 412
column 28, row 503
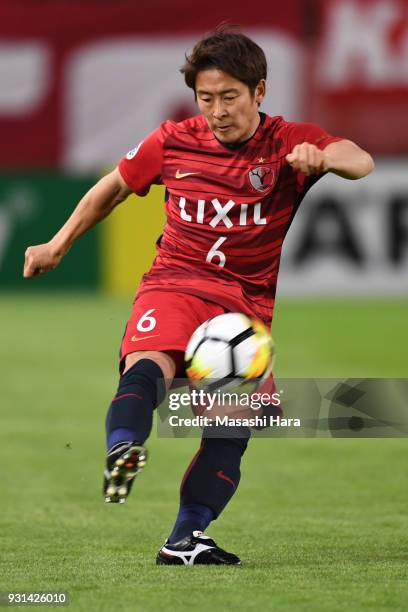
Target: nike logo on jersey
column 180, row 175
column 137, row 338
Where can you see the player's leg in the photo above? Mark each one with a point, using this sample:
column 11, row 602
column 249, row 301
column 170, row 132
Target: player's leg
column 160, row 326
column 141, row 389
column 208, row 485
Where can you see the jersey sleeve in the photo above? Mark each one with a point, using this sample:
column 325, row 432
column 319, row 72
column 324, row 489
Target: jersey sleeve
column 142, row 166
column 296, row 133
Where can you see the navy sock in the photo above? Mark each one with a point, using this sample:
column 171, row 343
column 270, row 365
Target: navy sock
column 191, row 517
column 214, row 473
column 120, row 435
column 130, row 415
column 210, row 481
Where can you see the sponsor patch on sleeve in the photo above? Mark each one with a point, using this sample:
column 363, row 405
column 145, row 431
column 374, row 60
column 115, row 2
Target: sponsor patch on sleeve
column 132, row 152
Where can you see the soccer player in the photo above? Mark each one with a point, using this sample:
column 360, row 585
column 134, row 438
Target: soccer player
column 234, row 179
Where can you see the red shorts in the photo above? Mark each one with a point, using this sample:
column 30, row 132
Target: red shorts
column 165, row 321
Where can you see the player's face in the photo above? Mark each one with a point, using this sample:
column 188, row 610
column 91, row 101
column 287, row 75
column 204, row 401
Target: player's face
column 228, row 105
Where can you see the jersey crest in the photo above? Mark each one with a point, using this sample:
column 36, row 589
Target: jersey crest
column 262, row 178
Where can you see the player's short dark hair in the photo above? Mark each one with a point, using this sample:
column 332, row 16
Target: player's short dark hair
column 230, row 51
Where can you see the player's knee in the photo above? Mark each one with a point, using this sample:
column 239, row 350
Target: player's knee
column 163, row 360
column 143, row 379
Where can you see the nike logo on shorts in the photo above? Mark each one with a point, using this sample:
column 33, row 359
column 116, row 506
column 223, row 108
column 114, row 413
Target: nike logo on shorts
column 137, row 338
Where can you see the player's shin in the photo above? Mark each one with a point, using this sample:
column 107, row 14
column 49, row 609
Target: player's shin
column 209, row 482
column 128, row 425
column 130, row 416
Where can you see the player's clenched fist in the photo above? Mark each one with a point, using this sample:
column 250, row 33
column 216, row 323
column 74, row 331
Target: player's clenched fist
column 39, row 259
column 307, row 158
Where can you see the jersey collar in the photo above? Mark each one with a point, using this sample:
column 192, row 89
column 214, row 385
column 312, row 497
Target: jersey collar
column 239, row 145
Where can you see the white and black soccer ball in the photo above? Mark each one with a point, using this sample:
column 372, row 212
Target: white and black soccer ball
column 228, row 351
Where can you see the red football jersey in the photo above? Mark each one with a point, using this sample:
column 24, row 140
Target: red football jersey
column 228, row 209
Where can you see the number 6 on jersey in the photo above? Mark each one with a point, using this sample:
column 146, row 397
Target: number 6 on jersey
column 214, row 252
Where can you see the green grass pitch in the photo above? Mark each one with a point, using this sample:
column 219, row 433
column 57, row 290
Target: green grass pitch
column 321, row 524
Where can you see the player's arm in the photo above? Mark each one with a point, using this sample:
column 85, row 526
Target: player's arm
column 342, row 157
column 96, row 204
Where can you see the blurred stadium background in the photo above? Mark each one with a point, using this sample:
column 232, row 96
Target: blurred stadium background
column 81, row 84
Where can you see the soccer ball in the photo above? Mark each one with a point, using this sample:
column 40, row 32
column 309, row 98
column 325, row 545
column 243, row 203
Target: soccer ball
column 228, row 351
